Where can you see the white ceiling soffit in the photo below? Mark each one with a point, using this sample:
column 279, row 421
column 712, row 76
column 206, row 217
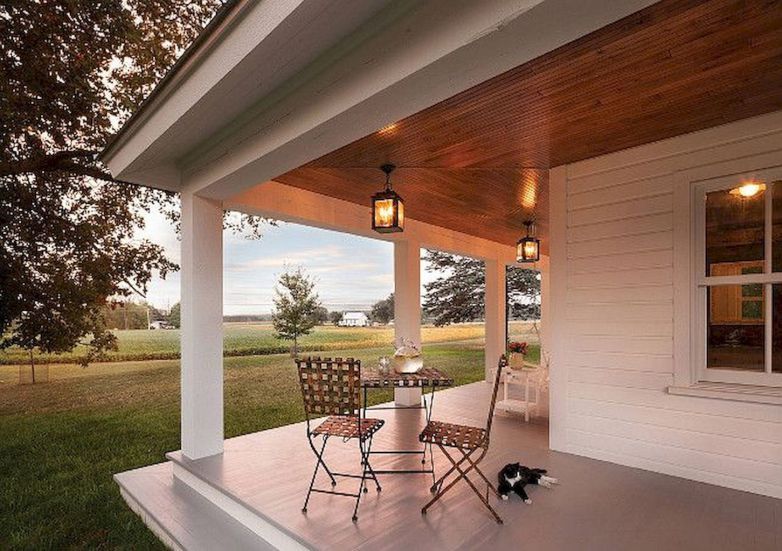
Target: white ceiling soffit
column 219, row 136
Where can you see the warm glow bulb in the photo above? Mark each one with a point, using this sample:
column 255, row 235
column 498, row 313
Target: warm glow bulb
column 748, row 189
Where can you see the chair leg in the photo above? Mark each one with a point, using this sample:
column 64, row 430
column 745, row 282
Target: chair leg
column 483, row 476
column 439, row 482
column 320, row 457
column 369, row 465
column 463, row 475
column 441, row 491
column 362, row 486
column 318, row 463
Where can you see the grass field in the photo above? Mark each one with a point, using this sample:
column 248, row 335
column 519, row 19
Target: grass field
column 62, row 441
column 258, row 339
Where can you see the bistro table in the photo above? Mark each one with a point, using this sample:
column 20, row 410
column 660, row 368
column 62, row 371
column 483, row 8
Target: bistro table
column 426, row 377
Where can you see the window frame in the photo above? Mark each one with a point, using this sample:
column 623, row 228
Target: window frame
column 701, row 282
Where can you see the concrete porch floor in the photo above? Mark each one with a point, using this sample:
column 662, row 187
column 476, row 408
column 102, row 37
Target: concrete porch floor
column 598, row 505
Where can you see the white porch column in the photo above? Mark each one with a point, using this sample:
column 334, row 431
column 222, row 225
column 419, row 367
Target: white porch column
column 202, row 326
column 495, row 315
column 407, row 306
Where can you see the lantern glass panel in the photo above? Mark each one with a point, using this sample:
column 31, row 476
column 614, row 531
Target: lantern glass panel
column 384, row 213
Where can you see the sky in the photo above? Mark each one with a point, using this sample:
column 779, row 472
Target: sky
column 351, row 272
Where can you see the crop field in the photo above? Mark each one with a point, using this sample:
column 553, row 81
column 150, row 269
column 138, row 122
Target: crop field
column 258, row 339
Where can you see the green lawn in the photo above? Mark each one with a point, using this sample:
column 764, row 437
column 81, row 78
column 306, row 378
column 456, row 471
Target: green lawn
column 258, row 339
column 62, row 441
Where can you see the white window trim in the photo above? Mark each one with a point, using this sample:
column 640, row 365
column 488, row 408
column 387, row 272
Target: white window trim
column 691, row 374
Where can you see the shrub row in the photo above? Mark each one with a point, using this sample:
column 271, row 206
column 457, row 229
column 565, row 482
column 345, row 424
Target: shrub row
column 147, row 356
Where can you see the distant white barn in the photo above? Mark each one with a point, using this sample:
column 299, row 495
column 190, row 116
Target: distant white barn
column 354, row 319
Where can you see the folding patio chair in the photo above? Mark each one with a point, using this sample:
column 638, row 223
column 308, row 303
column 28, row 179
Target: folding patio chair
column 333, row 388
column 468, row 440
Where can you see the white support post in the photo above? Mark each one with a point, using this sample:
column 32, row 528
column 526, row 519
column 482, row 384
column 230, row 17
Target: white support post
column 202, row 326
column 407, row 306
column 495, row 315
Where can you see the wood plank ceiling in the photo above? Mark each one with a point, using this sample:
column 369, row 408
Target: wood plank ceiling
column 477, row 162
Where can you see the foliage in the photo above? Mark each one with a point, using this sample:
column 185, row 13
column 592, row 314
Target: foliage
column 458, row 295
column 335, row 317
column 65, row 249
column 321, row 315
column 518, row 347
column 523, row 288
column 295, row 306
column 128, row 315
column 383, row 310
column 175, row 315
column 71, row 72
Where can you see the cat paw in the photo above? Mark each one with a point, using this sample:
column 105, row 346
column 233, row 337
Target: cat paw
column 553, row 480
column 504, row 498
column 528, row 501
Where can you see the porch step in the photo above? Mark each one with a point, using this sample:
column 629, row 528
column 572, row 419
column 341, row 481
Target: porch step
column 179, row 516
column 195, row 476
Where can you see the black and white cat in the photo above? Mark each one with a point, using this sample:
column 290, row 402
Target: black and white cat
column 514, row 477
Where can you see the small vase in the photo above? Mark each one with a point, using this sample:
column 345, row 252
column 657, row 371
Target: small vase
column 516, row 360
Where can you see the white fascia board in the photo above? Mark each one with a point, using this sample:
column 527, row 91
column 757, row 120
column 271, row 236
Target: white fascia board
column 429, row 53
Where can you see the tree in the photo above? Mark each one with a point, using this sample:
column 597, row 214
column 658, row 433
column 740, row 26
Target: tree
column 295, row 305
column 523, row 294
column 128, row 315
column 383, row 310
column 321, row 315
column 71, row 72
column 174, row 316
column 458, row 294
column 335, row 317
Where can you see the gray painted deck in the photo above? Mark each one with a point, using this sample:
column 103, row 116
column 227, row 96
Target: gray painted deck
column 598, row 505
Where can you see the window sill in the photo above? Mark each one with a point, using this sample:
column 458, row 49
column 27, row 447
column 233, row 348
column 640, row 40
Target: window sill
column 734, row 392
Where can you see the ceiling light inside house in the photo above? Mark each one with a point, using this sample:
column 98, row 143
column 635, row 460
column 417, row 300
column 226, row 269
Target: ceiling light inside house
column 748, row 189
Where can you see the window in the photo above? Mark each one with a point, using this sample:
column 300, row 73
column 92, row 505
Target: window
column 739, row 281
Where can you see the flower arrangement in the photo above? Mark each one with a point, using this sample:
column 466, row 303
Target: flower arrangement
column 406, row 347
column 517, row 348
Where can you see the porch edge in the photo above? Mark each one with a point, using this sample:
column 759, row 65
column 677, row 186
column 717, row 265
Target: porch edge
column 261, row 525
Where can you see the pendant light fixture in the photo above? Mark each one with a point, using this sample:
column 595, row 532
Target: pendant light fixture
column 388, row 210
column 528, row 247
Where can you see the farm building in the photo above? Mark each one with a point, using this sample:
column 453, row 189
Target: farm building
column 354, row 319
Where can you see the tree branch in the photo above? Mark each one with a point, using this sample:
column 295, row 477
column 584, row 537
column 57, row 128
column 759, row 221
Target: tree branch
column 61, row 161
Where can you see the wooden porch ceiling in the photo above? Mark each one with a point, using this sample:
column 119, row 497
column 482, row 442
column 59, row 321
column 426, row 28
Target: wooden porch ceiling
column 477, row 162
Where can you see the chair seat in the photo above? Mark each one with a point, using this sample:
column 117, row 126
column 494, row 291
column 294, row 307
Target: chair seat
column 454, row 436
column 346, row 426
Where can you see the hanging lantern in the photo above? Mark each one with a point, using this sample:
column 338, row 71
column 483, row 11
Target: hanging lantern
column 528, row 247
column 388, row 210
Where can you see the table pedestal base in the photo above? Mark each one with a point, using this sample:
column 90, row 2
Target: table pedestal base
column 407, row 396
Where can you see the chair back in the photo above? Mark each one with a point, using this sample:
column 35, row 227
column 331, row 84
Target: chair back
column 501, row 365
column 330, row 386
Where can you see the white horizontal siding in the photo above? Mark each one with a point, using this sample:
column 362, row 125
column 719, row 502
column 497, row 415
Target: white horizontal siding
column 618, row 321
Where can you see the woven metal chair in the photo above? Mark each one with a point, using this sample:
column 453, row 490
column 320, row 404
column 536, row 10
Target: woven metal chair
column 471, row 442
column 333, row 388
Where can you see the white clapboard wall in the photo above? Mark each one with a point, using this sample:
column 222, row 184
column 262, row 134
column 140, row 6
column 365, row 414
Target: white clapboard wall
column 613, row 317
